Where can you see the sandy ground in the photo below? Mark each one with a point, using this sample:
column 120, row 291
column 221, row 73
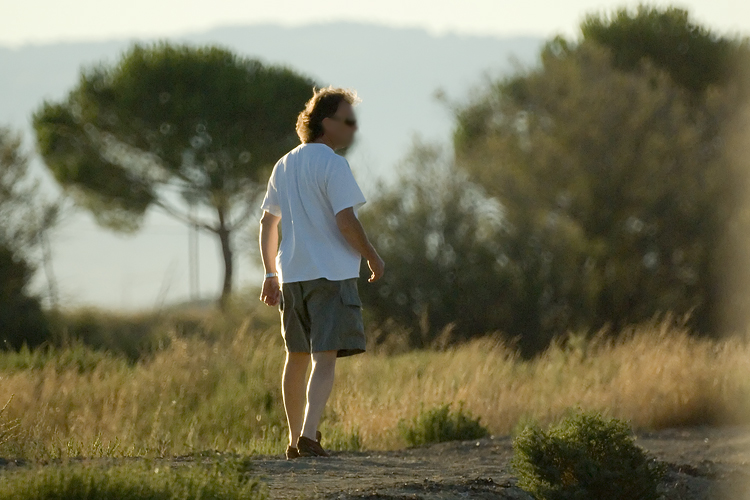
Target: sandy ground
column 703, row 463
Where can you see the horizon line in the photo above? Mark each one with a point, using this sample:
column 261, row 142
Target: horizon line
column 268, row 24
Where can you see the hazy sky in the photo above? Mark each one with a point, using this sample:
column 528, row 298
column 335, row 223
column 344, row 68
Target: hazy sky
column 28, row 21
column 91, row 263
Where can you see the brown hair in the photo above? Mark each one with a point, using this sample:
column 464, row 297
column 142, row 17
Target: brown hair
column 323, row 104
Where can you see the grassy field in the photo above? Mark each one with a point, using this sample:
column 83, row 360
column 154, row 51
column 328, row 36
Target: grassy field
column 134, row 480
column 196, row 394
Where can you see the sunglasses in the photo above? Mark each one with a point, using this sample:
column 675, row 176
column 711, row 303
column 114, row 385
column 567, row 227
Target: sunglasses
column 350, row 122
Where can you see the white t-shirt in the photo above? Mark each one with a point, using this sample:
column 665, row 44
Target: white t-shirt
column 307, row 188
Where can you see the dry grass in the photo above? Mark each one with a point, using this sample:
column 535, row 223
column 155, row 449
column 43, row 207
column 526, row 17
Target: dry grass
column 654, row 376
column 196, row 395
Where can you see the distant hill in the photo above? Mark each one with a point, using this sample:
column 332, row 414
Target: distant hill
column 396, row 72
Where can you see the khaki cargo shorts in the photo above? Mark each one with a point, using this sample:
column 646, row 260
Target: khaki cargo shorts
column 322, row 315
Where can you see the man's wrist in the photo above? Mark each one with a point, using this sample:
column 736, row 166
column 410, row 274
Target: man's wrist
column 271, row 275
column 370, row 253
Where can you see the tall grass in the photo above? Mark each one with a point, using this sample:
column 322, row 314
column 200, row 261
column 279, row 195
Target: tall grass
column 197, row 394
column 655, row 376
column 132, row 481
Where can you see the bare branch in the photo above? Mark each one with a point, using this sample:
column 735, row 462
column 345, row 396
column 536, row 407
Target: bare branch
column 242, row 219
column 187, row 219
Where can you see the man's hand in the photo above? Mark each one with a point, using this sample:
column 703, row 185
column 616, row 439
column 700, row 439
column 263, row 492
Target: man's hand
column 377, row 267
column 269, row 245
column 355, row 235
column 271, row 293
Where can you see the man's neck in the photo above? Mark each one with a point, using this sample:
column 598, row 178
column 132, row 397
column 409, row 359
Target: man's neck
column 325, row 140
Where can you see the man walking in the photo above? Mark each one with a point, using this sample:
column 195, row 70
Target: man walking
column 312, row 275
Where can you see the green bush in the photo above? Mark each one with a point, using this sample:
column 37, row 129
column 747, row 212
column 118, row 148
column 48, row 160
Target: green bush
column 441, row 424
column 584, row 457
column 137, row 335
column 22, row 321
column 129, row 335
column 142, row 480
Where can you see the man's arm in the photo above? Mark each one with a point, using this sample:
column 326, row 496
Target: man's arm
column 355, row 234
column 269, row 247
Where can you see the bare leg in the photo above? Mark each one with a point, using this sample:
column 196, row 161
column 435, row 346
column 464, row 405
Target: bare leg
column 318, row 390
column 293, row 390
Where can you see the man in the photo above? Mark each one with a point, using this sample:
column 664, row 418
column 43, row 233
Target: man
column 312, row 276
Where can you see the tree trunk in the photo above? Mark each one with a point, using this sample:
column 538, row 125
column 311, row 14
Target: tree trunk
column 226, row 251
column 48, row 271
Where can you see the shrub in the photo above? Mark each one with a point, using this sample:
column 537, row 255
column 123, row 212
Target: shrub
column 143, row 480
column 584, row 457
column 138, row 335
column 441, row 424
column 129, row 335
column 22, row 321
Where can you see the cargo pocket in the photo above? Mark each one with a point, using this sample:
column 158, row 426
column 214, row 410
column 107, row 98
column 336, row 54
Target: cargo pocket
column 349, row 294
column 349, row 325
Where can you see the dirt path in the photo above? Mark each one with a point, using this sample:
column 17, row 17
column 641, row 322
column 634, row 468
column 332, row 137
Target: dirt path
column 704, row 463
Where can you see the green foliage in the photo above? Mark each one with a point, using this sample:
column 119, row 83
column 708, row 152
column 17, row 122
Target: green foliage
column 133, row 335
column 22, row 321
column 438, row 234
column 584, row 457
column 22, row 211
column 595, row 191
column 81, row 337
column 25, row 212
column 619, row 195
column 693, row 56
column 142, row 480
column 441, row 424
column 202, row 121
column 173, row 126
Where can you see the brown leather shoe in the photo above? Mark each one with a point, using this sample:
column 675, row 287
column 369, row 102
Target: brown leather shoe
column 292, row 452
column 310, row 448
